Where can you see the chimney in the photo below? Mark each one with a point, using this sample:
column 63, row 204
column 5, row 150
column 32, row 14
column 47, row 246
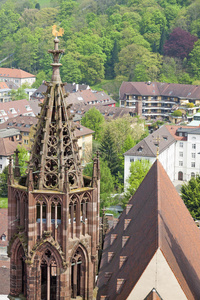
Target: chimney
column 138, row 107
column 77, row 87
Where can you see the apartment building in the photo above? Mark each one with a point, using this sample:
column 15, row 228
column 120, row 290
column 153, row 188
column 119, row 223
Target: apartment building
column 178, row 147
column 156, row 99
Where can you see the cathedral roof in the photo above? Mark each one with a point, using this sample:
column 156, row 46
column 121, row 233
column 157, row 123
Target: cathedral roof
column 155, row 218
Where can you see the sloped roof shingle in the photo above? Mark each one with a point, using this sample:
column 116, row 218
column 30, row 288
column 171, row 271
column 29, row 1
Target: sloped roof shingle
column 159, row 219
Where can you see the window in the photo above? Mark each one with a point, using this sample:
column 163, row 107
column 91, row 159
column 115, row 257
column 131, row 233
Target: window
column 192, row 175
column 193, row 146
column 193, row 155
column 131, row 159
column 26, row 142
column 0, row 156
column 181, row 154
column 181, row 144
column 3, row 237
column 26, row 133
column 193, row 164
column 180, row 163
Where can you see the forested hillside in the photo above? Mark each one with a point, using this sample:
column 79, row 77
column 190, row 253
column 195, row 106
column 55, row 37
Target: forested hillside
column 104, row 40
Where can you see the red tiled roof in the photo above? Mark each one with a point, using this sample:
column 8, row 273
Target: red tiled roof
column 14, row 73
column 3, row 85
column 173, row 128
column 159, row 219
column 19, row 107
column 23, row 121
column 7, row 147
column 82, row 131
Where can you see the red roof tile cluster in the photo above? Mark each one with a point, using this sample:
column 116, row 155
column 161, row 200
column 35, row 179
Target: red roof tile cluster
column 3, row 85
column 159, row 219
column 14, row 108
column 7, row 147
column 14, row 73
column 22, row 123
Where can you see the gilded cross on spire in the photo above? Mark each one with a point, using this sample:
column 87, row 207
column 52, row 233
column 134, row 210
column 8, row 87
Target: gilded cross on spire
column 157, row 144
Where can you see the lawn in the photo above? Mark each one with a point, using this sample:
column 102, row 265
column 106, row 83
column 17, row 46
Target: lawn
column 3, row 202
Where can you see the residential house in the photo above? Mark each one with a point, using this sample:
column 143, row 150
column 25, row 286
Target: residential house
column 14, row 108
column 4, row 92
column 23, row 125
column 84, row 136
column 7, row 148
column 154, row 249
column 69, row 88
column 18, row 76
column 178, row 146
column 155, row 99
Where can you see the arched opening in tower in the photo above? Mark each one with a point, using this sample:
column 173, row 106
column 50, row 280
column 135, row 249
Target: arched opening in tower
column 78, row 276
column 49, row 277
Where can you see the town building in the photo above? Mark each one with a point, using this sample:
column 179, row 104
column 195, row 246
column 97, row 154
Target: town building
column 69, row 88
column 15, row 108
column 24, row 126
column 4, row 92
column 179, row 148
column 18, row 76
column 7, row 148
column 21, row 129
column 84, row 136
column 156, row 99
column 154, row 249
column 53, row 214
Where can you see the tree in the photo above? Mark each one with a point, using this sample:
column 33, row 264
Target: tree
column 19, row 94
column 108, row 151
column 106, row 183
column 190, row 193
column 93, row 120
column 3, row 182
column 177, row 113
column 138, row 171
column 23, row 157
column 179, row 44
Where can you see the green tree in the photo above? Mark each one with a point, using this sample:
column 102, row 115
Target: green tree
column 18, row 94
column 93, row 119
column 177, row 113
column 3, row 182
column 108, row 150
column 23, row 158
column 190, row 193
column 138, row 171
column 106, row 183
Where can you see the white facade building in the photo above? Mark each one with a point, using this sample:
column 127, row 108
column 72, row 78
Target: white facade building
column 179, row 151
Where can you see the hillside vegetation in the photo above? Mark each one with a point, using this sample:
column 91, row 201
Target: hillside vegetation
column 114, row 40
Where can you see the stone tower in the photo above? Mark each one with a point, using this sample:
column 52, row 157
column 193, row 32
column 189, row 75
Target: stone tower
column 53, row 212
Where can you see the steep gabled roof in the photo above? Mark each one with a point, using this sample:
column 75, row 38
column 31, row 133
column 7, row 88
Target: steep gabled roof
column 14, row 73
column 148, row 146
column 7, row 147
column 155, row 218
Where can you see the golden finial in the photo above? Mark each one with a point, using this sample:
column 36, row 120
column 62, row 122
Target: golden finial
column 157, row 144
column 56, row 32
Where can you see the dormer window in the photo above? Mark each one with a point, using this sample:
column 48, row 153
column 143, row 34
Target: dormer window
column 165, row 138
column 3, row 237
column 140, row 149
